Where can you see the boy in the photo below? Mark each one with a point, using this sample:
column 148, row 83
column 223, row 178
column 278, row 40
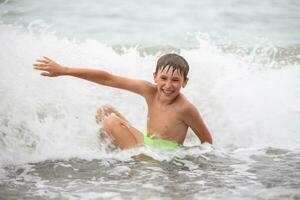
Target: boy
column 169, row 112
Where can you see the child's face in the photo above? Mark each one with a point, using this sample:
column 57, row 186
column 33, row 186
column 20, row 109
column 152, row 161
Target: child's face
column 169, row 83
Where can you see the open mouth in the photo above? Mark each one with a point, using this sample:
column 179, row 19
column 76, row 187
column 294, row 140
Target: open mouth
column 168, row 92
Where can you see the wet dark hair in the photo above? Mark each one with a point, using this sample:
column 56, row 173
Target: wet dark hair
column 174, row 62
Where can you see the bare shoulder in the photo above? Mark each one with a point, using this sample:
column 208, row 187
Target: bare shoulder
column 147, row 88
column 184, row 106
column 146, row 85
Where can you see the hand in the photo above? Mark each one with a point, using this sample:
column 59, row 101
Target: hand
column 48, row 67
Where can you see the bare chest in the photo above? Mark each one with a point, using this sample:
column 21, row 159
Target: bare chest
column 165, row 123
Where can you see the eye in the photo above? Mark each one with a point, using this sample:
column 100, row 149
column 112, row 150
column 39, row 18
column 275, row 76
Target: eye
column 175, row 80
column 163, row 78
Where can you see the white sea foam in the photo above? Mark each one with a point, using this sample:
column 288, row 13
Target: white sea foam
column 245, row 104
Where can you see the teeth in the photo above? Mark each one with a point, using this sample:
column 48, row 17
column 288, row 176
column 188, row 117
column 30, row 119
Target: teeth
column 168, row 91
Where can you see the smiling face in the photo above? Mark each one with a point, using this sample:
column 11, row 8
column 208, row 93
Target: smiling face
column 169, row 82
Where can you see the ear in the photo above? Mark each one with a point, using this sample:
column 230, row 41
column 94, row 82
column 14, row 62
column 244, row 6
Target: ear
column 185, row 82
column 154, row 77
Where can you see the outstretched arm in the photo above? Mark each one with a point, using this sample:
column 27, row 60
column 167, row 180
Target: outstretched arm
column 52, row 69
column 195, row 121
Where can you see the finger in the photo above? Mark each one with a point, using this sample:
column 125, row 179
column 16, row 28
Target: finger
column 40, row 66
column 46, row 58
column 46, row 74
column 42, row 69
column 42, row 61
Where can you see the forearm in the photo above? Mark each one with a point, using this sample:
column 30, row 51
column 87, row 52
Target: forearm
column 195, row 121
column 206, row 138
column 97, row 76
column 50, row 68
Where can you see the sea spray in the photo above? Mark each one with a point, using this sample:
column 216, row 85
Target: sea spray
column 245, row 103
column 244, row 79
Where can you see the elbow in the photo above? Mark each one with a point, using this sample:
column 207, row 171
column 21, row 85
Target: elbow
column 102, row 78
column 210, row 141
column 207, row 139
column 106, row 78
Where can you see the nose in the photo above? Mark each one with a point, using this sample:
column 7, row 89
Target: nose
column 168, row 84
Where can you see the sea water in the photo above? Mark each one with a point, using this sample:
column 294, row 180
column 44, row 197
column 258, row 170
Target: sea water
column 244, row 61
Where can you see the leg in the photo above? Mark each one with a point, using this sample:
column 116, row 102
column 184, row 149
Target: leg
column 123, row 133
column 105, row 111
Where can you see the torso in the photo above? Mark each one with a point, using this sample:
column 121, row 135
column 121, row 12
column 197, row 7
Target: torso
column 165, row 121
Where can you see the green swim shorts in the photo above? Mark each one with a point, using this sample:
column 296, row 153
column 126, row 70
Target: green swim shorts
column 160, row 143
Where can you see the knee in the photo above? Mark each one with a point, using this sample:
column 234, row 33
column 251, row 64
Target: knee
column 103, row 112
column 108, row 108
column 110, row 121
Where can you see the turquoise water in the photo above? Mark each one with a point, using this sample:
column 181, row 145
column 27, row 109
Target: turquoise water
column 244, row 78
column 156, row 23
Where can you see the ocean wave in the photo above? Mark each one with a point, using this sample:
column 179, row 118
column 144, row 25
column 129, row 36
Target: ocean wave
column 248, row 96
